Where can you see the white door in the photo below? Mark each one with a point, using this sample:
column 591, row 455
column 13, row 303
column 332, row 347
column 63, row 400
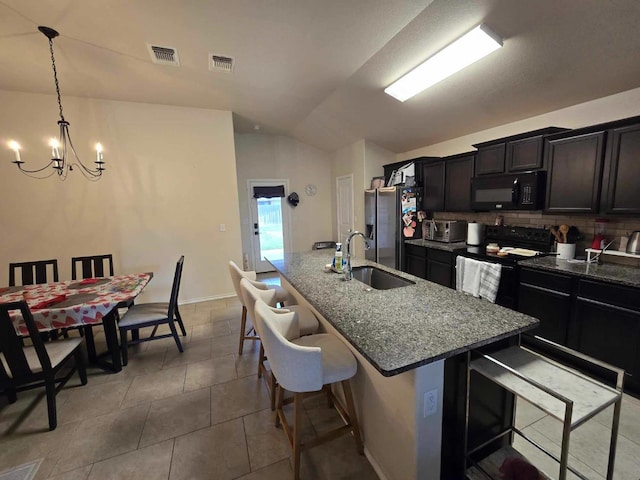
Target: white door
column 270, row 232
column 344, row 189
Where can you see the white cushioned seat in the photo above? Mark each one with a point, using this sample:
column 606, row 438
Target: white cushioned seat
column 307, row 321
column 57, row 351
column 139, row 314
column 338, row 363
column 307, row 364
column 282, row 296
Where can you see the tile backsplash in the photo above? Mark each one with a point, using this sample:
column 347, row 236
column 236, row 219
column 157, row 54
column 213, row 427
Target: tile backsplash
column 616, row 228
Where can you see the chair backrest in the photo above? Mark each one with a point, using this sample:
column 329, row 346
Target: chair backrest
column 92, row 266
column 237, row 275
column 297, row 368
column 175, row 288
column 33, row 272
column 14, row 366
column 250, row 293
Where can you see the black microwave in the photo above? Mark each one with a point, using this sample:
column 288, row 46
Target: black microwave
column 520, row 191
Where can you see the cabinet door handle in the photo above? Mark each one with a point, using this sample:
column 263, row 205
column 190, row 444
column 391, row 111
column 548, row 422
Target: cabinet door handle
column 546, row 290
column 608, row 305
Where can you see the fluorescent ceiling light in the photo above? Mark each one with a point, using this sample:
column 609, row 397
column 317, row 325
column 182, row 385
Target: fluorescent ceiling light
column 468, row 49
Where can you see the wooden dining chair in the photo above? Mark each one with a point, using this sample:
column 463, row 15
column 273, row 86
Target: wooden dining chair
column 26, row 367
column 33, row 273
column 153, row 315
column 92, row 266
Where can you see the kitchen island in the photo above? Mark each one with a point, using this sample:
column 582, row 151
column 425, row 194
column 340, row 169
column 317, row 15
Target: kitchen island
column 402, row 338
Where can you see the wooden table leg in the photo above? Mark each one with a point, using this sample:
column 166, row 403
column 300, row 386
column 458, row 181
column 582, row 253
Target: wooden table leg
column 111, row 334
column 91, row 345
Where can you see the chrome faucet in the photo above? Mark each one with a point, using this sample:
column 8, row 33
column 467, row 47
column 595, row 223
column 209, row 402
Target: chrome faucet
column 348, row 275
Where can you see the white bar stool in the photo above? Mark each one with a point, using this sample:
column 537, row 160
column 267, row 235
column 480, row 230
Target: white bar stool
column 282, row 297
column 307, row 322
column 307, row 364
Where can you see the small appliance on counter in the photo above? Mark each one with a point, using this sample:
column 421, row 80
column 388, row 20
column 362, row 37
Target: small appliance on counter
column 475, row 234
column 599, row 239
column 448, row 231
column 633, row 245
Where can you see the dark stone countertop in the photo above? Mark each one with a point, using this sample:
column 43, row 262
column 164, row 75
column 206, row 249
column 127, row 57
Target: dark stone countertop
column 607, row 272
column 449, row 247
column 403, row 328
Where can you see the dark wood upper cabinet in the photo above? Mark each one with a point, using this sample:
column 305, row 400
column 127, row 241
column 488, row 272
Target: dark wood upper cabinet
column 525, row 154
column 433, row 180
column 622, row 169
column 490, row 159
column 517, row 153
column 574, row 173
column 458, row 175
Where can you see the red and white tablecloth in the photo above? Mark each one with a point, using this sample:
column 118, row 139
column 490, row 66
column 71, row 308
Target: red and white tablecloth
column 94, row 300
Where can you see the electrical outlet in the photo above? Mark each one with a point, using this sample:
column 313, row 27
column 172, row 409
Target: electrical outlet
column 430, row 402
column 223, row 227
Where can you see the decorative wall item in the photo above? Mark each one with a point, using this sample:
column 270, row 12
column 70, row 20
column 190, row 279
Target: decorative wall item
column 293, row 199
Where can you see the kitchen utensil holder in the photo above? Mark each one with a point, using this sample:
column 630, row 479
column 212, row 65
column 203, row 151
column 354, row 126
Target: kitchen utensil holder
column 566, row 251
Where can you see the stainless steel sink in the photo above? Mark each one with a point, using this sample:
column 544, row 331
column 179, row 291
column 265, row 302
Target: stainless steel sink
column 379, row 279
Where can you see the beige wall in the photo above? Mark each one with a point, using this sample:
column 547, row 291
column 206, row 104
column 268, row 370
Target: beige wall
column 277, row 157
column 375, row 158
column 165, row 191
column 614, row 107
column 348, row 160
column 363, row 160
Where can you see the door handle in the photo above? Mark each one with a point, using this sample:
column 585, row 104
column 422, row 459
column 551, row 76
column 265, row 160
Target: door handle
column 256, row 232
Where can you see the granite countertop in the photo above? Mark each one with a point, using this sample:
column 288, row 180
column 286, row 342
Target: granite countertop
column 403, row 328
column 607, row 272
column 449, row 247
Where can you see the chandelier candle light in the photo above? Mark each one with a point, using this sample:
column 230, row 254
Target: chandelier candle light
column 59, row 162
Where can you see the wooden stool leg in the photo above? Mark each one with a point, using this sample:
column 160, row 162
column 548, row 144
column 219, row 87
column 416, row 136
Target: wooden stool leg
column 297, row 433
column 327, row 389
column 273, row 386
column 278, row 404
column 351, row 409
column 243, row 325
column 260, row 361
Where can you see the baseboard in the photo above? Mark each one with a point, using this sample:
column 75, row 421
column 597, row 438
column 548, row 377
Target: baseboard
column 206, row 299
column 374, row 464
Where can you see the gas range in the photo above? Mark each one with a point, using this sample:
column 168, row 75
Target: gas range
column 538, row 239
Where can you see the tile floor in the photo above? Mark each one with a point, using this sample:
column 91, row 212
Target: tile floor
column 204, row 414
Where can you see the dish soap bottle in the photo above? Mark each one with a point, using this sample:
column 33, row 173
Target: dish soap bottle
column 337, row 259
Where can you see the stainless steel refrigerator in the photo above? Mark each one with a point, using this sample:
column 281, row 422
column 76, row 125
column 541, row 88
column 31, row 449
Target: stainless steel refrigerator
column 391, row 217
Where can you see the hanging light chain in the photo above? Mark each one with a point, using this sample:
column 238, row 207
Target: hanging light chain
column 55, row 78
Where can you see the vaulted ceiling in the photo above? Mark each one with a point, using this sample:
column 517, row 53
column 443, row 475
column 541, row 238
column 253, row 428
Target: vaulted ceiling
column 316, row 69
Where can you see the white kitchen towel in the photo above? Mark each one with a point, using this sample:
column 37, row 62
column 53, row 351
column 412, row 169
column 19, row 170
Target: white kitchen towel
column 490, row 280
column 470, row 273
column 459, row 270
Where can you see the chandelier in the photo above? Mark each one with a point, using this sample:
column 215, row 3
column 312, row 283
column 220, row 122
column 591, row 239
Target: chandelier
column 61, row 148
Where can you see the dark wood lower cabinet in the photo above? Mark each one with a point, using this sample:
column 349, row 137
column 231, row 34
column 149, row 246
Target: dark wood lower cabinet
column 431, row 264
column 599, row 319
column 553, row 309
column 608, row 333
column 416, row 266
column 439, row 272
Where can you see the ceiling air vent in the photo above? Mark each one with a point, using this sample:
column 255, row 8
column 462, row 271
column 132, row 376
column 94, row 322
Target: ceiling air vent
column 164, row 55
column 220, row 63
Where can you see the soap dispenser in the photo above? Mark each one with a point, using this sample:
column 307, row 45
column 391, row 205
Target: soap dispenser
column 337, row 259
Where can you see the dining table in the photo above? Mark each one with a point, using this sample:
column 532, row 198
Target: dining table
column 79, row 303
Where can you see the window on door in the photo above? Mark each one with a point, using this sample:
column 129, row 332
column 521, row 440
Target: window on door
column 270, row 228
column 270, row 235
